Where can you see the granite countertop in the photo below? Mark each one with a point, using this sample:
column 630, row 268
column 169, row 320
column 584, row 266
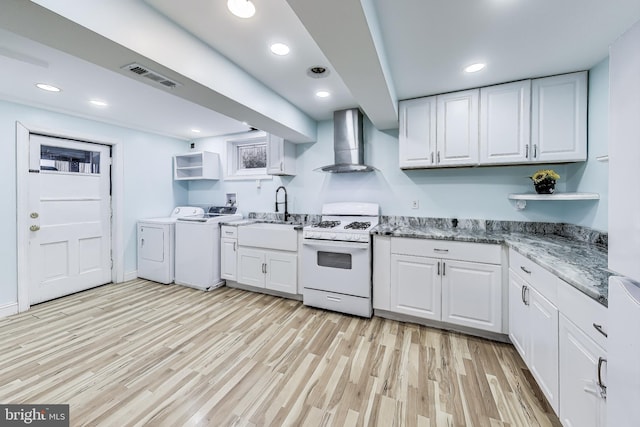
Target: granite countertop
column 581, row 264
column 246, row 221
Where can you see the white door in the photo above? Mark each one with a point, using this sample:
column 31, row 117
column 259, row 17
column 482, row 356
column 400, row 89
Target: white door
column 543, row 344
column 505, row 122
column 518, row 315
column 417, row 133
column 228, row 258
column 472, row 294
column 281, row 269
column 415, row 286
column 559, row 118
column 457, row 135
column 70, row 217
column 582, row 403
column 251, row 267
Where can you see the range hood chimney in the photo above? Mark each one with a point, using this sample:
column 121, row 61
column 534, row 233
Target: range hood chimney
column 348, row 143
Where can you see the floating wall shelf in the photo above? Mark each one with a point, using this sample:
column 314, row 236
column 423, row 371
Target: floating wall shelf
column 521, row 199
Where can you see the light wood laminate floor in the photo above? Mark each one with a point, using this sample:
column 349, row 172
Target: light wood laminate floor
column 141, row 353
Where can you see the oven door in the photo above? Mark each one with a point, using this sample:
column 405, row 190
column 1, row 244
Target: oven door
column 340, row 267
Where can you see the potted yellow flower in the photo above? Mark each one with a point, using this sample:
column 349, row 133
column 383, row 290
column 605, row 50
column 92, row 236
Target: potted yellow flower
column 544, row 181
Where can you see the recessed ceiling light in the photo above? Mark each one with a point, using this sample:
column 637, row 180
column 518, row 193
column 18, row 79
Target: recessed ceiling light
column 322, row 94
column 47, row 87
column 475, row 67
column 195, row 130
column 280, row 49
column 99, row 103
column 241, row 8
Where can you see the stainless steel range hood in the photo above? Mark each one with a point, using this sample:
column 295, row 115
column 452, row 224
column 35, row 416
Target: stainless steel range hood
column 348, row 143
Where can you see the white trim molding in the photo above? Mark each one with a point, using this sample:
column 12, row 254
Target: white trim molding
column 8, row 309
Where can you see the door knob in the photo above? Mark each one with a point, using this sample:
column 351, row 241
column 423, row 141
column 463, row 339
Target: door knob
column 34, row 228
column 34, row 215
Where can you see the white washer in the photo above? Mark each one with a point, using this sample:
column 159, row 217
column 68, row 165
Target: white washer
column 156, row 244
column 198, row 249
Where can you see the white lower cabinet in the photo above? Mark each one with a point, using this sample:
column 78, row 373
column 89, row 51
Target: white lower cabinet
column 472, row 294
column 228, row 258
column 582, row 377
column 533, row 330
column 464, row 288
column 275, row 270
column 415, row 286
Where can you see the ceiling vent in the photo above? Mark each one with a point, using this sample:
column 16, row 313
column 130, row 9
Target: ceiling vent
column 151, row 75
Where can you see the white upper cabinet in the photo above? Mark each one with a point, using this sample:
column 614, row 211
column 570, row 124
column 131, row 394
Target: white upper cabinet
column 418, row 133
column 530, row 121
column 196, row 165
column 505, row 123
column 457, row 129
column 559, row 118
column 439, row 131
column 281, row 156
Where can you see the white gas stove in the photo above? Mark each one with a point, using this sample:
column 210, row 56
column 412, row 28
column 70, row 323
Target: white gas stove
column 336, row 258
column 346, row 222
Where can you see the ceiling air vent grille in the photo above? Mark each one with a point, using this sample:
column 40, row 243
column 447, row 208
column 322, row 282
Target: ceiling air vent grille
column 151, row 75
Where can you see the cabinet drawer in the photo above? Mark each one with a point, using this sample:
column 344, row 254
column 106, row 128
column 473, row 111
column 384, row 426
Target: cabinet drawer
column 541, row 279
column 583, row 311
column 229, row 232
column 464, row 251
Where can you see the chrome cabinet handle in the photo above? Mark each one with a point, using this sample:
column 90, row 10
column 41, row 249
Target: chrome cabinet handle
column 527, row 293
column 526, row 151
column 432, row 157
column 535, row 151
column 444, row 265
column 441, row 251
column 603, row 388
column 34, row 228
column 438, row 156
column 522, row 295
column 141, row 243
column 234, row 246
column 438, row 268
column 525, row 270
column 599, row 329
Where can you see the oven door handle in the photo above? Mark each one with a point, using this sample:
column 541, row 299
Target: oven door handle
column 334, row 244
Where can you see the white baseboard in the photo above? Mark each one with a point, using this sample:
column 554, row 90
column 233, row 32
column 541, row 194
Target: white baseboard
column 132, row 275
column 8, row 309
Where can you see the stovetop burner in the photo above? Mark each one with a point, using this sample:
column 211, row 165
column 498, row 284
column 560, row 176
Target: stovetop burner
column 358, row 225
column 327, row 224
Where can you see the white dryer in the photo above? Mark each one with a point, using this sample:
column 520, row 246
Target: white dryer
column 156, row 244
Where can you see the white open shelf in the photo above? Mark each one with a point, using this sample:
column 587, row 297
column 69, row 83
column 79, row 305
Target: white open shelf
column 523, row 197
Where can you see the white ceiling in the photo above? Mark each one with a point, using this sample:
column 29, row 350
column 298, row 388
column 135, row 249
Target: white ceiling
column 377, row 51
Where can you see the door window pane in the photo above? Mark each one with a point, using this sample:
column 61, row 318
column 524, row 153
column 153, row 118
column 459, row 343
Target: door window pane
column 334, row 260
column 62, row 159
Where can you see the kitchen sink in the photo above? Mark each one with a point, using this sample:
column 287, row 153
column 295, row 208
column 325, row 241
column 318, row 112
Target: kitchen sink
column 280, row 236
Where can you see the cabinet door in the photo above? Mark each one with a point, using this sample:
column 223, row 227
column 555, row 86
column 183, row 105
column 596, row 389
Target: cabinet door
column 415, row 286
column 559, row 118
column 228, row 258
column 251, row 267
column 275, row 153
column 518, row 315
column 581, row 404
column 281, row 271
column 472, row 294
column 505, row 123
column 457, row 136
column 543, row 344
column 280, row 156
column 417, row 134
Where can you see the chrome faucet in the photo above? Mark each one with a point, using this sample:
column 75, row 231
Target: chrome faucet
column 286, row 212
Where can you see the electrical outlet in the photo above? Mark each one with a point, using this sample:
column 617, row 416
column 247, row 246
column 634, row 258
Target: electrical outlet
column 415, row 204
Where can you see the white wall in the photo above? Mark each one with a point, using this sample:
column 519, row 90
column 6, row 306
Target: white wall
column 149, row 189
column 457, row 192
